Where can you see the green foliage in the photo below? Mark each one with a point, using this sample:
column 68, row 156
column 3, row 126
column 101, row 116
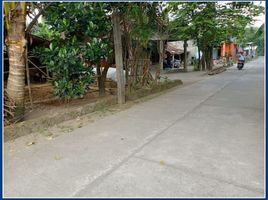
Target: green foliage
column 77, row 33
column 210, row 23
column 259, row 40
column 141, row 21
column 85, row 19
column 182, row 26
column 255, row 35
column 140, row 24
column 234, row 17
column 195, row 64
column 69, row 73
column 165, row 79
column 43, row 30
column 248, row 36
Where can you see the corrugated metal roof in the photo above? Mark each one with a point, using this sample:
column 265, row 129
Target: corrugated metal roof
column 173, row 48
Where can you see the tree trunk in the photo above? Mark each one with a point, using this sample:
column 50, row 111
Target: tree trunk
column 102, row 70
column 199, row 56
column 206, row 57
column 101, row 82
column 203, row 61
column 185, row 55
column 199, row 59
column 227, row 59
column 100, row 85
column 161, row 58
column 211, row 58
column 126, row 53
column 16, row 53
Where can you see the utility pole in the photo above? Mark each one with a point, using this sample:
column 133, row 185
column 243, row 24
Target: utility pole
column 118, row 58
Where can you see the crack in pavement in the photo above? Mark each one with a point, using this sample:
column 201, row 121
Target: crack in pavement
column 200, row 174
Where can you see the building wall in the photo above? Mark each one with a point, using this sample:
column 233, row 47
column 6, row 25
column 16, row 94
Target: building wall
column 228, row 49
column 215, row 54
column 191, row 49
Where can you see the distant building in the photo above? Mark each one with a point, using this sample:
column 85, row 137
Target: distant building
column 216, row 53
column 250, row 49
column 178, row 50
column 229, row 49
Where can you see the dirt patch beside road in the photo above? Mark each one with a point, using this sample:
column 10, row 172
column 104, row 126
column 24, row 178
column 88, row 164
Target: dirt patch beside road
column 46, row 118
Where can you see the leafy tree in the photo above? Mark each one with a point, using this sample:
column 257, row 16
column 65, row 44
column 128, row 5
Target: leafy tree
column 141, row 21
column 259, row 40
column 210, row 23
column 183, row 29
column 138, row 27
column 234, row 17
column 45, row 31
column 248, row 36
column 15, row 32
column 255, row 35
column 195, row 20
column 78, row 43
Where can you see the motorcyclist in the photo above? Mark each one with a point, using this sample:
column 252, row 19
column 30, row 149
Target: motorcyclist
column 241, row 59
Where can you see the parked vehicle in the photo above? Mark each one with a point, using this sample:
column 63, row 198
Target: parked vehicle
column 168, row 64
column 177, row 63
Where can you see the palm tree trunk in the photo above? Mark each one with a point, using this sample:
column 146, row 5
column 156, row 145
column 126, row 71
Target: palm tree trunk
column 17, row 58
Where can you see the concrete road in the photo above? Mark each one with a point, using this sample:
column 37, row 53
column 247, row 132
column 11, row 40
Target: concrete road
column 205, row 139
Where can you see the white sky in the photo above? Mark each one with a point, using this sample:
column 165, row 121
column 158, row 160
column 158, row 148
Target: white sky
column 260, row 19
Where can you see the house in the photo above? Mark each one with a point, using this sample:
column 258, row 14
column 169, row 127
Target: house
column 250, row 50
column 229, row 49
column 177, row 48
column 216, row 53
column 173, row 52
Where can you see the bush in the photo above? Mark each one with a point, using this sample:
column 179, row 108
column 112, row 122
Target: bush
column 73, row 29
column 68, row 63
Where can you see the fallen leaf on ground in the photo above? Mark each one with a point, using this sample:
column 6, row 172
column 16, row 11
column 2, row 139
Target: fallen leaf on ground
column 162, row 162
column 57, row 157
column 50, row 137
column 30, row 143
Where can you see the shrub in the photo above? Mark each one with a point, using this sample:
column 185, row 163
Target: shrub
column 68, row 64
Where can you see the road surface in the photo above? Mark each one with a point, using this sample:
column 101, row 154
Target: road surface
column 205, row 139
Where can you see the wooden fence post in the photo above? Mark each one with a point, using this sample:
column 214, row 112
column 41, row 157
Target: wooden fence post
column 118, row 58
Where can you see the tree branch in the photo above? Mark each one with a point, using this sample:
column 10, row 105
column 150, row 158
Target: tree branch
column 33, row 22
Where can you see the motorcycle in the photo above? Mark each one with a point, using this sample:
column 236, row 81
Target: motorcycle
column 176, row 64
column 240, row 64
